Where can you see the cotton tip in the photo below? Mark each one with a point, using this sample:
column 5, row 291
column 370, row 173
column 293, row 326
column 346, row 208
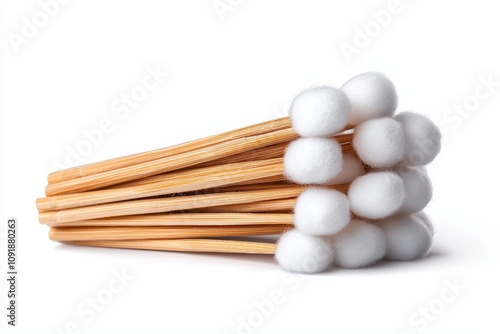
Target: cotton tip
column 320, row 211
column 407, row 237
column 312, row 160
column 426, row 221
column 418, row 189
column 319, row 112
column 371, row 95
column 422, row 138
column 352, row 167
column 302, row 253
column 376, row 195
column 358, row 245
column 379, row 142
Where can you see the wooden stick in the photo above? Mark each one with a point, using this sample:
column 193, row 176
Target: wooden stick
column 160, row 232
column 267, row 152
column 169, row 204
column 170, row 163
column 270, row 179
column 183, row 174
column 208, row 177
column 187, row 245
column 185, row 219
column 284, row 205
column 201, row 171
column 277, row 185
column 121, row 162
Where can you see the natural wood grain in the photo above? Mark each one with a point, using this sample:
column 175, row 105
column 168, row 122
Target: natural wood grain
column 121, row 162
column 191, row 180
column 185, row 219
column 169, row 204
column 170, row 163
column 187, row 245
column 160, row 232
column 278, row 205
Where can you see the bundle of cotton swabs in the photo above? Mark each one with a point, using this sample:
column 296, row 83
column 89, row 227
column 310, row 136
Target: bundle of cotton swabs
column 341, row 181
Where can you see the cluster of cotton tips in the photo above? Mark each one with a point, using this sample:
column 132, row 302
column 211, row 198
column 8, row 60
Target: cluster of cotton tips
column 380, row 215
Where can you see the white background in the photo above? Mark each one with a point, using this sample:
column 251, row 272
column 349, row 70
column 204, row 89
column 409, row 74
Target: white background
column 226, row 70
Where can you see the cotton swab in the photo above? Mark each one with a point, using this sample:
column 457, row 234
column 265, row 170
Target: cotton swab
column 191, row 180
column 168, row 204
column 170, row 163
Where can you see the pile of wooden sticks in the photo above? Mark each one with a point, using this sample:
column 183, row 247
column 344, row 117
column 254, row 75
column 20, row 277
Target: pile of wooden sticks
column 342, row 181
column 200, row 196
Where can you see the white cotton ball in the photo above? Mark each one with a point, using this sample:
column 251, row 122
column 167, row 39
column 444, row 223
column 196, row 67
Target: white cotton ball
column 320, row 211
column 359, row 244
column 418, row 189
column 426, row 221
column 422, row 138
column 376, row 195
column 407, row 237
column 351, row 169
column 302, row 253
column 371, row 95
column 379, row 142
column 319, row 112
column 312, row 160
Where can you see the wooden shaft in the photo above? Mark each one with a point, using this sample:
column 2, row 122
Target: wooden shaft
column 277, row 185
column 121, row 162
column 278, row 205
column 191, row 172
column 255, row 186
column 267, row 152
column 187, row 245
column 191, row 180
column 170, row 163
column 270, row 179
column 185, row 219
column 200, row 171
column 168, row 204
column 160, row 232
